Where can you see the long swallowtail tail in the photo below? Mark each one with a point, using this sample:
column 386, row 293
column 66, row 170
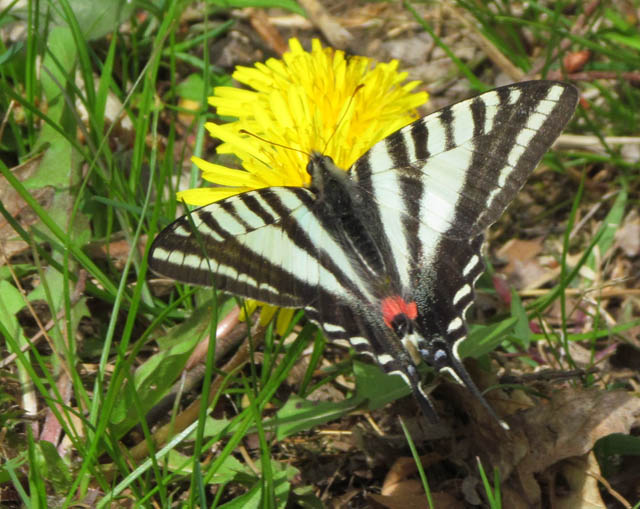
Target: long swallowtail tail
column 386, row 254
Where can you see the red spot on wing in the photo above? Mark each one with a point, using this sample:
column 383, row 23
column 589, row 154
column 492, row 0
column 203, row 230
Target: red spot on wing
column 394, row 306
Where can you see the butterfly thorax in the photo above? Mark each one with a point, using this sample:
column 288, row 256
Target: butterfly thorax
column 341, row 204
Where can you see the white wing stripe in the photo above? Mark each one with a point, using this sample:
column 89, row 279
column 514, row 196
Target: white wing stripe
column 472, row 264
column 461, row 294
column 331, row 327
column 437, row 140
column 379, row 157
column 358, row 340
column 455, row 324
column 391, row 216
column 462, row 125
column 226, row 221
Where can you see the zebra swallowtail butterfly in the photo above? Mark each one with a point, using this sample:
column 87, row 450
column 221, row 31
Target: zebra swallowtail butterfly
column 386, row 254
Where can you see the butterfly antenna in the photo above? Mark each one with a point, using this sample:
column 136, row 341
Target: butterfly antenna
column 344, row 114
column 244, row 131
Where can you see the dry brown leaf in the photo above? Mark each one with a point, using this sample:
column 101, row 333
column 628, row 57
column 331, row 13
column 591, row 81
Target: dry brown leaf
column 576, row 60
column 523, row 268
column 410, row 495
column 17, row 207
column 628, row 235
column 583, row 489
column 403, row 468
column 566, row 426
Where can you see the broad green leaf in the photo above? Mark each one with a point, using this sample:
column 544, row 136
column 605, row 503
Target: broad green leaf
column 250, row 500
column 608, row 229
column 377, row 387
column 227, row 472
column 298, row 414
column 96, row 19
column 611, row 448
column 53, row 466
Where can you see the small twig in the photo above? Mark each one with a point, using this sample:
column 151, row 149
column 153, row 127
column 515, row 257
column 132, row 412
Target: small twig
column 610, row 489
column 225, row 341
column 228, row 334
column 261, row 23
column 5, row 119
column 338, row 36
column 590, row 142
column 603, row 292
column 590, row 214
column 547, row 375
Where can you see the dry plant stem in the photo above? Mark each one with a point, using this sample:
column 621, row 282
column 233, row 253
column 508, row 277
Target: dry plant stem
column 225, row 341
column 590, row 214
column 294, row 21
column 249, row 461
column 577, row 28
column 494, row 54
column 229, row 334
column 5, row 119
column 52, row 429
column 437, row 29
column 632, row 76
column 547, row 375
column 373, row 424
column 338, row 36
column 588, row 142
column 267, row 31
column 191, row 413
column 29, row 399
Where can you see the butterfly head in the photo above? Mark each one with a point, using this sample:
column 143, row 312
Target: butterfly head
column 328, row 180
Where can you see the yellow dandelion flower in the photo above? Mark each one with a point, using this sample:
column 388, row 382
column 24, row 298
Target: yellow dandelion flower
column 307, row 101
column 318, row 101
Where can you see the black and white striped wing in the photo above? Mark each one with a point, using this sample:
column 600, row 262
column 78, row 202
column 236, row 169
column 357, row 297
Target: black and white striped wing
column 456, row 170
column 266, row 244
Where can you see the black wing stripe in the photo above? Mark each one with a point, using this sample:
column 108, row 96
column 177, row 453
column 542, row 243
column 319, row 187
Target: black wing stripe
column 479, row 113
column 448, row 124
column 397, row 147
column 258, row 206
column 420, row 135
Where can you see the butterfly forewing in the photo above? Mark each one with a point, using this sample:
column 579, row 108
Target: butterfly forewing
column 398, row 236
column 269, row 244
